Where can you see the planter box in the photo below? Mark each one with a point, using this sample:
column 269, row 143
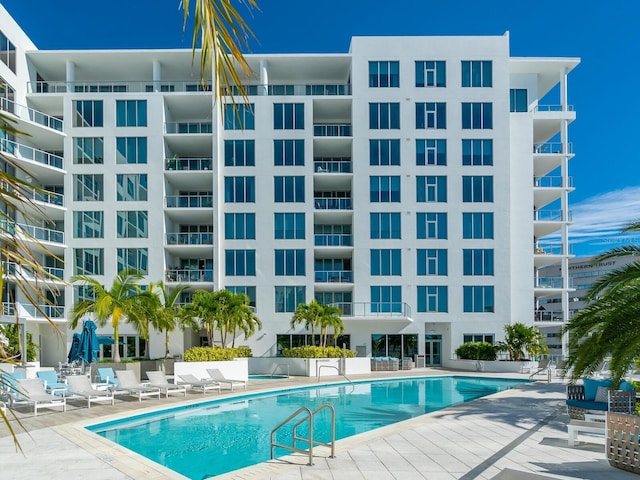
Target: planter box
column 237, row 369
column 385, row 365
column 484, row 366
column 407, row 365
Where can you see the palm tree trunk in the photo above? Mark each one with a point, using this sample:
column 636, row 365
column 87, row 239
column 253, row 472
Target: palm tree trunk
column 166, row 343
column 116, row 345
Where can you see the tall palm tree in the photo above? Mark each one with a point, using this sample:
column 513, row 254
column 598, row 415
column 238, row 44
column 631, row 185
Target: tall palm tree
column 330, row 318
column 610, row 325
column 309, row 315
column 124, row 301
column 167, row 317
column 203, row 309
column 242, row 317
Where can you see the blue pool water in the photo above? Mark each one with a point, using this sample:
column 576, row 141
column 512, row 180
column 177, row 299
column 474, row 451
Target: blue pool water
column 267, row 377
column 219, row 436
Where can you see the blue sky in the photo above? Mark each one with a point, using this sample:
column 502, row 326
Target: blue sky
column 605, row 35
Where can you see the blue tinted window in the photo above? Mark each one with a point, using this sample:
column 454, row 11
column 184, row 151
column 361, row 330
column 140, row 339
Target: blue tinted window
column 384, row 152
column 384, row 188
column 386, row 262
column 385, row 225
column 240, row 262
column 478, row 298
column 477, row 73
column 131, row 113
column 289, row 189
column 431, row 188
column 386, row 298
column 289, row 226
column 287, row 299
column 288, row 152
column 384, row 116
column 431, row 115
column 239, row 153
column 431, row 152
column 384, row 74
column 239, row 117
column 431, row 73
column 477, row 225
column 290, row 262
column 432, row 299
column 477, row 152
column 240, row 226
column 518, row 100
column 239, row 190
column 288, row 116
column 477, row 115
column 477, row 188
column 477, row 261
column 432, row 261
column 431, row 225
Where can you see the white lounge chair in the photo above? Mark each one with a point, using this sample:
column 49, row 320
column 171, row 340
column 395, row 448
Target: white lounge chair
column 217, row 375
column 32, row 391
column 158, row 379
column 81, row 387
column 192, row 381
column 129, row 382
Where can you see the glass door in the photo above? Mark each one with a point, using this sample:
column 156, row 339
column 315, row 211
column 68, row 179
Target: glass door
column 432, row 350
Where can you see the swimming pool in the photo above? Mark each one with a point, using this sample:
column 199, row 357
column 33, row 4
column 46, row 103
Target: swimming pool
column 219, row 436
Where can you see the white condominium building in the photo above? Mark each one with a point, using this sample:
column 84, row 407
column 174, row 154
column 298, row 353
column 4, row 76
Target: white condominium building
column 408, row 181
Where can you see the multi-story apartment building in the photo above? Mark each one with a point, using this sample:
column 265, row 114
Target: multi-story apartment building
column 407, row 181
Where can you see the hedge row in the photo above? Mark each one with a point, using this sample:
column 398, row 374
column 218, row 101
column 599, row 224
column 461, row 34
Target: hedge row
column 215, row 354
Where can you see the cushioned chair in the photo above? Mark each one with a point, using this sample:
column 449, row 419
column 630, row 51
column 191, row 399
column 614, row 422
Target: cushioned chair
column 51, row 383
column 159, row 380
column 592, row 395
column 129, row 382
column 81, row 387
column 32, row 391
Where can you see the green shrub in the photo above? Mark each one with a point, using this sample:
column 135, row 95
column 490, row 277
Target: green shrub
column 476, row 351
column 317, row 352
column 215, row 354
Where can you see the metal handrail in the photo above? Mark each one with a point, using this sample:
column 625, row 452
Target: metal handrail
column 309, row 416
column 342, row 374
column 281, row 365
column 313, row 442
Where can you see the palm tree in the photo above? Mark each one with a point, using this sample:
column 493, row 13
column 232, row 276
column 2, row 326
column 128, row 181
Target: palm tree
column 609, row 326
column 330, row 318
column 521, row 339
column 167, row 317
column 242, row 317
column 124, row 301
column 203, row 308
column 310, row 315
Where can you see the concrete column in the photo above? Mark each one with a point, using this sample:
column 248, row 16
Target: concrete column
column 71, row 76
column 264, row 77
column 564, row 205
column 157, row 75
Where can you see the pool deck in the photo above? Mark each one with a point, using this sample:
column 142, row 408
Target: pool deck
column 519, row 434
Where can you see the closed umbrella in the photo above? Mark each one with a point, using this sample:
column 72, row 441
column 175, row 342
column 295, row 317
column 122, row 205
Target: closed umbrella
column 88, row 342
column 74, row 350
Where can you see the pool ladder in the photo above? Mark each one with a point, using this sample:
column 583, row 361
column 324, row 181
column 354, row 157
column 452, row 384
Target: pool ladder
column 308, row 417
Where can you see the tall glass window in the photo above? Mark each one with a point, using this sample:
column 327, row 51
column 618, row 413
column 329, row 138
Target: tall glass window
column 88, row 224
column 88, row 150
column 432, row 261
column 240, row 262
column 386, row 298
column 88, row 188
column 477, row 188
column 431, row 73
column 385, row 225
column 239, row 117
column 477, row 225
column 131, row 187
column 239, row 153
column 290, row 262
column 288, row 226
column 288, row 189
column 431, row 225
column 431, row 115
column 131, row 113
column 431, row 152
column 88, row 261
column 384, row 74
column 478, row 298
column 518, row 100
column 249, row 291
column 131, row 150
column 431, row 188
column 287, row 299
column 7, row 52
column 384, row 152
column 384, row 188
column 288, row 116
column 132, row 224
column 477, row 73
column 88, row 113
column 477, row 261
column 239, row 189
column 477, row 116
column 432, row 298
column 386, row 261
column 384, row 116
column 137, row 258
column 288, row 152
column 240, row 226
column 477, row 152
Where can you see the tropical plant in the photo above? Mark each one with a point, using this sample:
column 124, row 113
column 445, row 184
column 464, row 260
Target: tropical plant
column 521, row 341
column 330, row 319
column 310, row 351
column 241, row 317
column 476, row 351
column 167, row 316
column 13, row 348
column 308, row 315
column 215, row 354
column 124, row 301
column 609, row 325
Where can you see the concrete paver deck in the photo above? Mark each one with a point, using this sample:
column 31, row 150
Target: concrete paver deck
column 519, row 434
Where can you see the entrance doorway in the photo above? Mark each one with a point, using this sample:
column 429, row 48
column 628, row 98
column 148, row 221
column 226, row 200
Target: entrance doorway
column 432, row 350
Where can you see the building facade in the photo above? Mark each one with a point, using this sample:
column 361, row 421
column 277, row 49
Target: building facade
column 407, row 181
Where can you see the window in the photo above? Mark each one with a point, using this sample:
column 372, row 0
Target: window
column 131, row 150
column 136, row 258
column 431, row 73
column 89, row 261
column 387, row 298
column 477, row 73
column 384, row 74
column 431, row 115
column 432, row 298
column 431, row 152
column 478, row 337
column 290, row 262
column 248, row 291
column 239, row 189
column 432, row 261
column 477, row 152
column 477, row 261
column 88, row 113
column 88, row 224
column 431, row 188
column 239, row 117
column 131, row 113
column 240, row 226
column 131, row 187
column 384, row 188
column 384, row 116
column 88, row 150
column 288, row 226
column 288, row 189
column 288, row 116
column 385, row 225
column 88, row 188
column 288, row 298
column 384, row 152
column 431, row 225
column 239, row 153
column 7, row 52
column 518, row 100
column 477, row 115
column 477, row 225
column 288, row 152
column 240, row 262
column 477, row 188
column 386, row 262
column 394, row 345
column 478, row 298
column 133, row 224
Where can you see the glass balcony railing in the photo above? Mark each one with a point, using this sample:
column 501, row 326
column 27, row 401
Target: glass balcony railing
column 30, row 114
column 117, row 87
column 552, row 148
column 50, row 311
column 194, row 164
column 332, row 130
column 12, row 269
column 549, row 249
column 189, row 238
column 188, row 127
column 552, row 108
column 544, row 316
column 55, row 272
column 332, row 203
column 373, row 309
column 549, row 282
column 333, row 240
column 189, row 201
column 42, row 234
column 334, row 276
column 8, row 308
column 550, row 216
column 21, row 151
column 287, row 90
column 190, row 275
column 551, row 182
column 332, row 165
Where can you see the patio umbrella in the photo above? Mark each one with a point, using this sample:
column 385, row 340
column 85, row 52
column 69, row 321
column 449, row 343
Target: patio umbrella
column 88, row 342
column 73, row 351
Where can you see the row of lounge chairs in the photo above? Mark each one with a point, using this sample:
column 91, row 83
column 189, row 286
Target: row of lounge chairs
column 47, row 392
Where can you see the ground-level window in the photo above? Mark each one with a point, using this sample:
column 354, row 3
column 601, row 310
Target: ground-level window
column 300, row 340
column 131, row 346
column 394, row 345
column 478, row 337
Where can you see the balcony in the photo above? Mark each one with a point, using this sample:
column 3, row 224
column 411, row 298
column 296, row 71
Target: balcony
column 24, row 152
column 552, row 108
column 188, row 164
column 189, row 201
column 333, row 240
column 334, row 276
column 374, row 310
column 549, row 282
column 188, row 128
column 116, row 87
column 551, row 148
column 189, row 238
column 549, row 317
column 190, row 275
column 25, row 273
column 53, row 312
column 332, row 203
column 332, row 130
column 332, row 165
column 330, row 89
column 29, row 114
column 552, row 182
